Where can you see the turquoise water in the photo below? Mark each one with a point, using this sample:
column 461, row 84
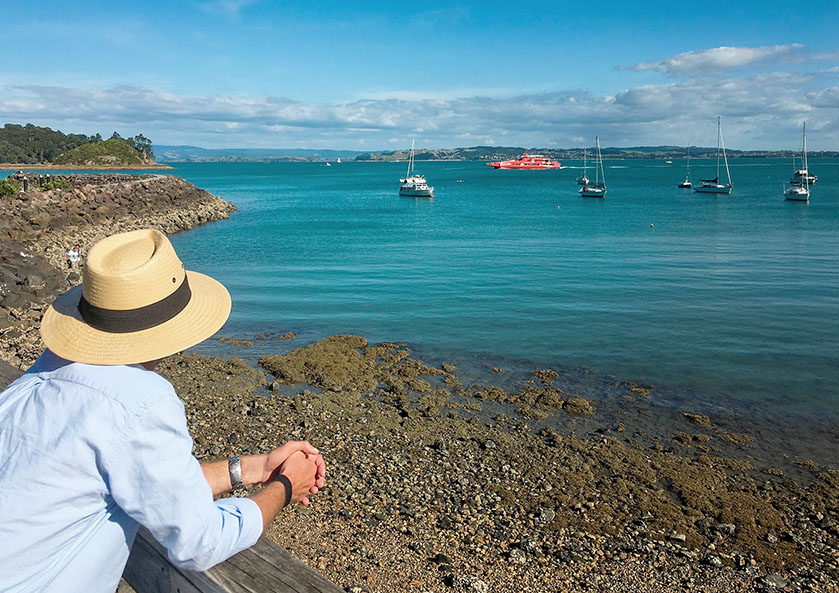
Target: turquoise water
column 723, row 297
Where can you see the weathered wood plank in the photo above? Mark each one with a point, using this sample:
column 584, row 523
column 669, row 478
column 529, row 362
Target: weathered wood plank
column 264, row 568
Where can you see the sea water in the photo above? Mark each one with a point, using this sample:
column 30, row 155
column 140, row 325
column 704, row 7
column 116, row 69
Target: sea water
column 727, row 298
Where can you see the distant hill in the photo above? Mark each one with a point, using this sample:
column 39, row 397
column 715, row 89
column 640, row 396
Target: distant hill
column 176, row 154
column 494, row 153
column 37, row 145
column 108, row 153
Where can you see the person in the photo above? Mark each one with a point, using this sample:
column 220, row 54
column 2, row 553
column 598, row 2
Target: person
column 94, row 443
column 73, row 256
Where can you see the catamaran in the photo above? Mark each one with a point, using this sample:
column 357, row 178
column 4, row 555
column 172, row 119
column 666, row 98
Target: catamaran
column 583, row 179
column 713, row 186
column 799, row 190
column 598, row 188
column 414, row 185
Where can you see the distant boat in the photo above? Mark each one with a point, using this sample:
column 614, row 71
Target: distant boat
column 583, row 179
column 339, row 160
column 799, row 190
column 414, row 185
column 686, row 184
column 598, row 188
column 713, row 186
column 527, row 161
column 328, row 164
column 669, row 162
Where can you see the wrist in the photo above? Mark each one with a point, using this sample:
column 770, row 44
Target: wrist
column 253, row 469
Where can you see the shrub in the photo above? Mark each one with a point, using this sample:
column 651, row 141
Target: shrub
column 58, row 183
column 8, row 187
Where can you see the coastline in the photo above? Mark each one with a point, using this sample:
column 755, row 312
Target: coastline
column 50, row 166
column 437, row 483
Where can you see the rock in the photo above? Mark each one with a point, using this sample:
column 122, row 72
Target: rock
column 578, row 406
column 715, row 561
column 698, row 419
column 775, row 581
column 546, row 515
column 517, row 556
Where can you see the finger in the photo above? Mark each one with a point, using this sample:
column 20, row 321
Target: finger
column 308, row 448
column 321, row 465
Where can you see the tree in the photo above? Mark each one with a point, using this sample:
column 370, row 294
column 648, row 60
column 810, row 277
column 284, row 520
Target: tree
column 144, row 145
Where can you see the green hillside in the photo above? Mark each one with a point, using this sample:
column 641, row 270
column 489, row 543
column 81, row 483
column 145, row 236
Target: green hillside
column 36, row 144
column 114, row 151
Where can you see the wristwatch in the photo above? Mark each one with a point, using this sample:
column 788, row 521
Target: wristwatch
column 235, row 472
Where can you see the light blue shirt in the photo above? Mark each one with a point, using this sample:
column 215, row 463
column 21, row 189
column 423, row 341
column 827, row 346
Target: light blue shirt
column 86, row 454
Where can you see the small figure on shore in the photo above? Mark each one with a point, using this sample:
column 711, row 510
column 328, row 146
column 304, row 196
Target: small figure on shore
column 73, row 256
column 94, row 443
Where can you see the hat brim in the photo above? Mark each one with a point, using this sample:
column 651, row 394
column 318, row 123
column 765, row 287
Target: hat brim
column 66, row 334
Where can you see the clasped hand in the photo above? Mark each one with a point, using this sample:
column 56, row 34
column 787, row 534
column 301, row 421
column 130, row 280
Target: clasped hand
column 301, row 463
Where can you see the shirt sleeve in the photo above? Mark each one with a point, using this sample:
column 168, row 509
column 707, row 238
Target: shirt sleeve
column 154, row 478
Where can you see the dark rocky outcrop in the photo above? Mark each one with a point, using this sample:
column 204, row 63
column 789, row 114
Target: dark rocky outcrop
column 38, row 227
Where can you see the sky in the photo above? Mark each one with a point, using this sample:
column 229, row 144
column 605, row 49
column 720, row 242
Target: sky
column 372, row 75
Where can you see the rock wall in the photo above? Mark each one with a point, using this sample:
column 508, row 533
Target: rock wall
column 37, row 228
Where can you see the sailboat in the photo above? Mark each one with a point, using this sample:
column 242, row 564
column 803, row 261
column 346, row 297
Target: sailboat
column 686, row 184
column 598, row 188
column 799, row 190
column 713, row 186
column 583, row 179
column 339, row 160
column 414, row 185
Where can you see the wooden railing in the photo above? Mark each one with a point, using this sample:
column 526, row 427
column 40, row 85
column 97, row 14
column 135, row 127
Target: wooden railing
column 264, row 568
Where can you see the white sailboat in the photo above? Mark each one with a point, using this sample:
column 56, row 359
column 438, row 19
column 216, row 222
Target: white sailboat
column 713, row 186
column 803, row 176
column 686, row 184
column 799, row 190
column 598, row 188
column 414, row 185
column 583, row 179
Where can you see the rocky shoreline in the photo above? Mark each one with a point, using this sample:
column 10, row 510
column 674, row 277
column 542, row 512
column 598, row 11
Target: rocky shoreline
column 437, row 483
column 427, row 493
column 39, row 227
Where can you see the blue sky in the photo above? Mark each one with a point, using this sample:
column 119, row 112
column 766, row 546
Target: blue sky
column 369, row 76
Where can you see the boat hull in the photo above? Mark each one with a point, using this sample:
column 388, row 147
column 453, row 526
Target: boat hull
column 527, row 162
column 686, row 185
column 417, row 193
column 713, row 189
column 797, row 197
column 592, row 192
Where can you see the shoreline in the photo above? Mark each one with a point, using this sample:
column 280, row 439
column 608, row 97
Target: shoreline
column 439, row 483
column 446, row 483
column 50, row 166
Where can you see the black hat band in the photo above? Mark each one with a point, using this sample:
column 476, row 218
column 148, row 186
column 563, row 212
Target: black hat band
column 133, row 320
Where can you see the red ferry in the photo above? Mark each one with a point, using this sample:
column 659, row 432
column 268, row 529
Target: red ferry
column 528, row 161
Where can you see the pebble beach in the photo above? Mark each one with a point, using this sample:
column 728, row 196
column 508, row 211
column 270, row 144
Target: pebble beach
column 439, row 483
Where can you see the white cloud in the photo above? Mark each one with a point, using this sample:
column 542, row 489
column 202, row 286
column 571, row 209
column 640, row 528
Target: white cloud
column 721, row 58
column 762, row 111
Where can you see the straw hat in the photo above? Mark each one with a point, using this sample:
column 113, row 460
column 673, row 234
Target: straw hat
column 136, row 304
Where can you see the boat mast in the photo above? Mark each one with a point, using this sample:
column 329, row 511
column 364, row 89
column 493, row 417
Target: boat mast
column 599, row 160
column 724, row 156
column 804, row 141
column 584, row 157
column 410, row 159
